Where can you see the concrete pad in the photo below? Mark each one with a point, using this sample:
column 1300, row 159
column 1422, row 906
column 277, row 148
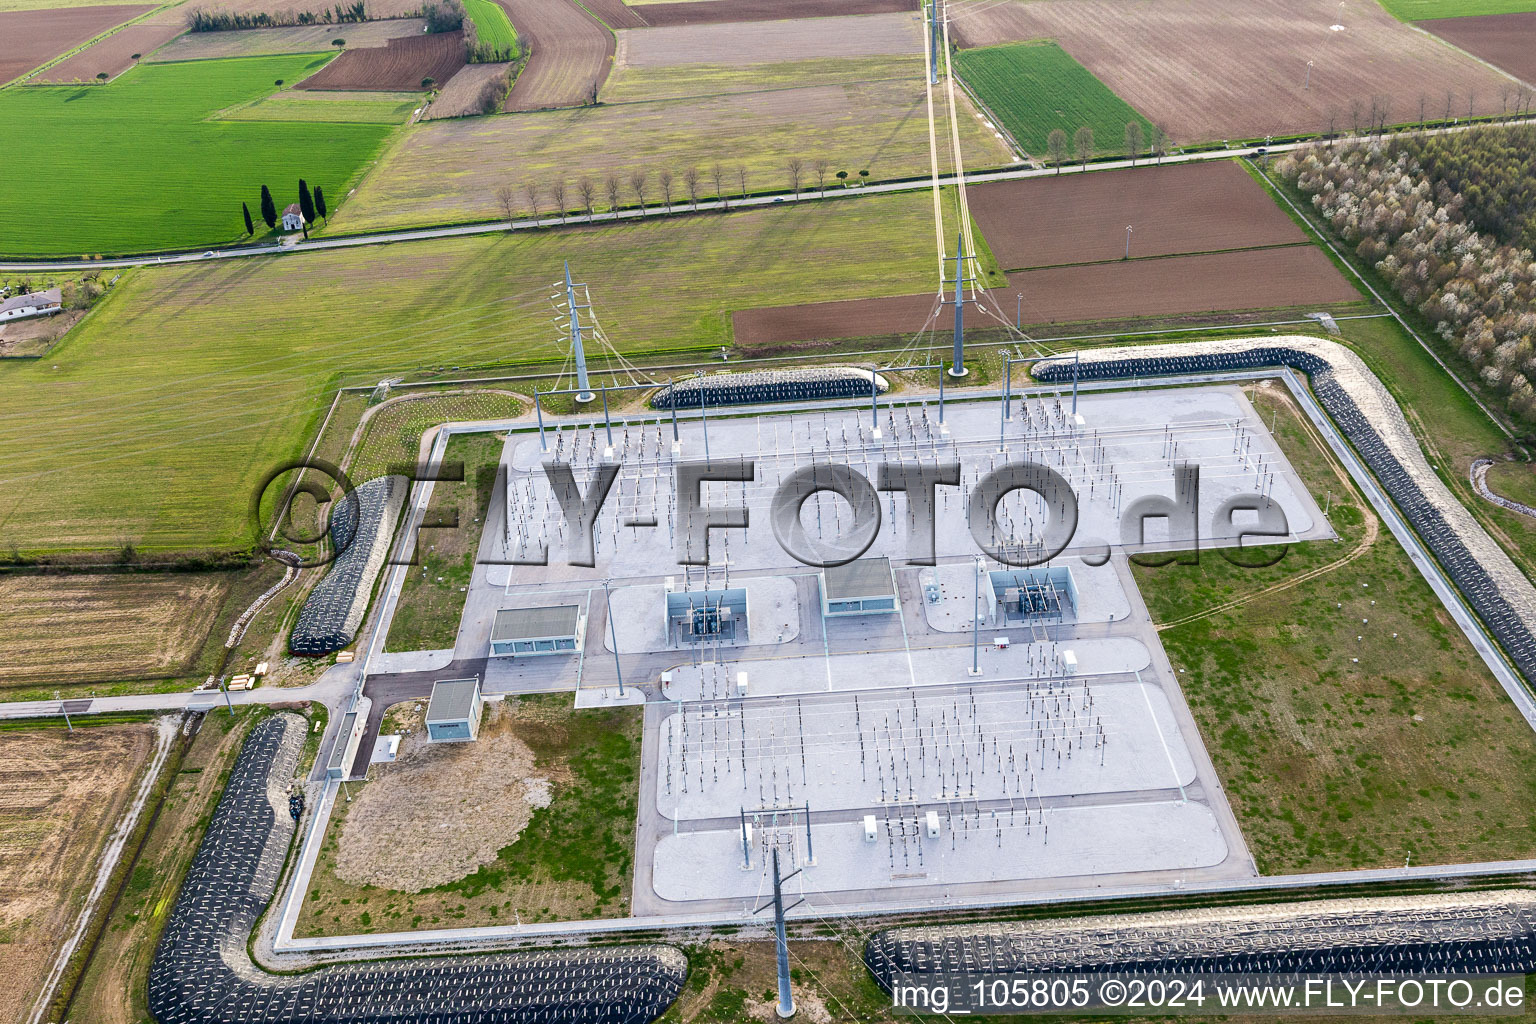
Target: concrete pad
column 410, row 661
column 640, row 613
column 1100, row 597
column 1063, row 842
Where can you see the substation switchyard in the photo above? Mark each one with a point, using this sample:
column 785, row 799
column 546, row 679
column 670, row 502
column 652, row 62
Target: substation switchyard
column 902, row 734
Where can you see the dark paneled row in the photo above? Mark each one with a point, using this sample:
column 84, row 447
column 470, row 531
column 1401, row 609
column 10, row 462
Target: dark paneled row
column 818, row 382
column 356, row 520
column 202, row 973
column 1464, row 570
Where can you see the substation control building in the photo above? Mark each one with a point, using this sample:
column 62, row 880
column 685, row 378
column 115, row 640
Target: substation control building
column 453, row 713
column 863, row 586
column 524, row 632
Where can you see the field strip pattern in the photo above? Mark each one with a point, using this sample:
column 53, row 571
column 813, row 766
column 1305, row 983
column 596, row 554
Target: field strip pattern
column 202, row 971
column 31, row 38
column 871, row 35
column 569, row 54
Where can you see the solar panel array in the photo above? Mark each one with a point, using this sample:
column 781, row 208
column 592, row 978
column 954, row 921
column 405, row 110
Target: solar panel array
column 1402, row 935
column 1461, row 567
column 202, row 973
column 330, row 616
column 817, row 382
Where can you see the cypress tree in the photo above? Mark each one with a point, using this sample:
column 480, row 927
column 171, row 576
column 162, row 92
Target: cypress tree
column 320, row 203
column 250, row 228
column 268, row 207
column 306, row 205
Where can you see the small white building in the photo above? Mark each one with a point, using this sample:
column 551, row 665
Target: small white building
column 861, row 587
column 520, row 632
column 43, row 303
column 293, row 218
column 453, row 713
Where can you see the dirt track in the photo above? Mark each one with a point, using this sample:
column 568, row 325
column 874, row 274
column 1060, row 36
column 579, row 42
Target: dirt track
column 707, row 12
column 765, row 42
column 1290, row 276
column 30, row 38
column 1508, row 40
column 1173, row 209
column 570, row 54
column 398, row 67
column 1210, row 69
column 114, row 54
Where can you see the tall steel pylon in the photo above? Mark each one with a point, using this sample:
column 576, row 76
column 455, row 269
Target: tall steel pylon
column 583, row 389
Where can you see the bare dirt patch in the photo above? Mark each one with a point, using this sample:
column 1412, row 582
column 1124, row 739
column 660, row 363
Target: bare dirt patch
column 569, row 54
column 257, row 42
column 707, row 12
column 1173, row 209
column 110, row 56
column 461, row 96
column 441, row 810
column 75, row 628
column 1278, row 278
column 1207, row 69
column 1508, row 40
column 35, row 337
column 870, row 35
column 30, row 38
column 60, row 795
column 399, row 66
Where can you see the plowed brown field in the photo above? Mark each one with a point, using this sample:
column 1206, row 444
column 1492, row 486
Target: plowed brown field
column 114, row 54
column 398, row 67
column 706, row 12
column 30, row 38
column 1173, row 209
column 569, row 54
column 869, row 35
column 1508, row 40
column 1212, row 69
column 461, row 95
column 1251, row 279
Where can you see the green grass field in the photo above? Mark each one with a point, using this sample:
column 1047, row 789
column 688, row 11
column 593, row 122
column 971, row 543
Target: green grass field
column 629, row 84
column 328, row 107
column 1423, row 10
column 145, row 168
column 449, row 171
column 1035, row 88
column 492, row 26
column 157, row 416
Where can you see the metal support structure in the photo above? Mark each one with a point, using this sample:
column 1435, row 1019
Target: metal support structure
column 704, row 416
column 227, row 702
column 1128, row 241
column 64, row 707
column 976, row 621
column 936, row 40
column 607, row 423
column 746, row 846
column 1005, row 411
column 539, row 410
column 957, row 364
column 613, row 633
column 584, row 390
column 1077, row 363
column 810, row 852
column 670, row 383
column 942, row 374
column 874, row 398
column 786, row 1007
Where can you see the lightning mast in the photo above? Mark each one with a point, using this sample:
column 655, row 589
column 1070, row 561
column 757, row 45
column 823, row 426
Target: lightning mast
column 583, row 389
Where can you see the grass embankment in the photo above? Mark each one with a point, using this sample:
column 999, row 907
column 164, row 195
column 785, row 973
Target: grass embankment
column 188, row 447
column 1035, row 88
column 432, row 598
column 573, row 860
column 146, row 168
column 1350, row 721
column 449, row 171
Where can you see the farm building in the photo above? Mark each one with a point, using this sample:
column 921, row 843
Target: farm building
column 43, row 303
column 293, row 218
column 530, row 631
column 453, row 713
column 860, row 587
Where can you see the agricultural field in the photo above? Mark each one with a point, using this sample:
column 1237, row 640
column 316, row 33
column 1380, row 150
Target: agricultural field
column 258, row 42
column 569, row 54
column 449, row 171
column 709, row 12
column 1350, row 720
column 110, row 56
column 166, row 476
column 1421, row 10
column 142, row 126
column 463, row 94
column 1505, row 40
column 493, row 28
column 532, row 822
column 1296, row 277
column 341, row 107
column 1036, row 88
column 29, row 38
column 870, row 35
column 1173, row 209
column 1205, row 71
column 682, row 81
column 63, row 629
column 293, row 10
column 400, row 65
column 64, row 794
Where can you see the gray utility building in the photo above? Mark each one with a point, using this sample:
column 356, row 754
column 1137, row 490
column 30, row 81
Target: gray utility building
column 520, row 632
column 861, row 587
column 453, row 714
